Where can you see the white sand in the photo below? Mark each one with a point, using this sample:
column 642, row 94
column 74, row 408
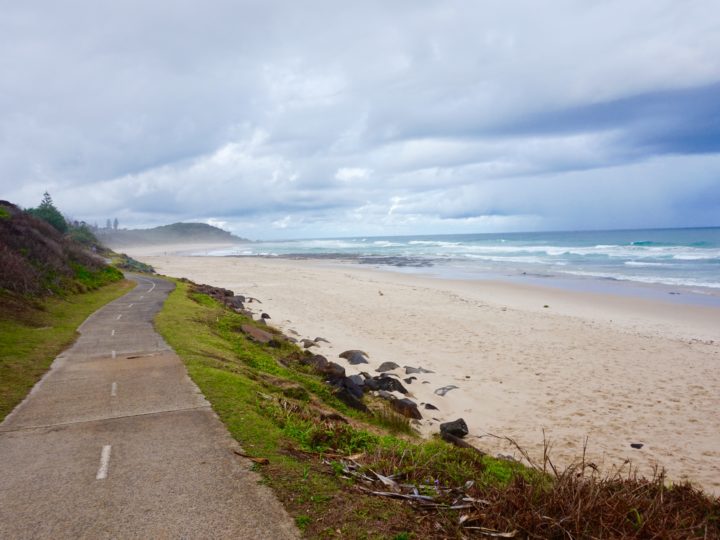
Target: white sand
column 617, row 370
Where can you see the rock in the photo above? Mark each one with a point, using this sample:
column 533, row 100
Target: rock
column 456, row 428
column 344, row 395
column 387, row 366
column 333, row 371
column 264, row 316
column 637, row 445
column 431, row 407
column 386, row 383
column 445, row 389
column 355, row 357
column 321, row 365
column 371, row 384
column 318, row 361
column 409, row 370
column 348, row 384
column 357, row 379
column 409, row 380
column 407, row 408
column 236, row 302
column 291, row 339
column 386, row 395
column 257, row 335
column 319, row 339
column 307, row 343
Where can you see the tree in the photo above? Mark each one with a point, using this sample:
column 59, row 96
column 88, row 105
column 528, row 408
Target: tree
column 48, row 212
column 115, row 224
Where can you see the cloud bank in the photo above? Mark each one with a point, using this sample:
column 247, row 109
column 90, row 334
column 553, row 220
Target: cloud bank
column 289, row 119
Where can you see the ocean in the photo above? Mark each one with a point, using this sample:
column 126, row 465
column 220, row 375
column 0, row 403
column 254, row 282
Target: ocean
column 657, row 261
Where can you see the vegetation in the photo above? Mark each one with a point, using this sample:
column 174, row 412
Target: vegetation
column 48, row 213
column 49, row 283
column 32, row 335
column 37, row 260
column 125, row 262
column 342, row 473
column 176, row 233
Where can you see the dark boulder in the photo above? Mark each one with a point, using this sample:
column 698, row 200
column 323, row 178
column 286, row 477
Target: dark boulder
column 348, row 384
column 264, row 316
column 355, row 357
column 386, row 395
column 456, row 428
column 344, row 395
column 257, row 335
column 371, row 384
column 357, row 379
column 322, row 366
column 235, row 302
column 387, row 366
column 319, row 339
column 431, row 407
column 307, row 343
column 333, row 371
column 386, row 383
column 409, row 380
column 407, row 408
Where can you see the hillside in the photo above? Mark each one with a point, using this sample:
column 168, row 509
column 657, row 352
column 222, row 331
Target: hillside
column 176, row 233
column 50, row 282
column 37, row 260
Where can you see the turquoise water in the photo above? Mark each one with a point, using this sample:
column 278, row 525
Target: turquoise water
column 687, row 258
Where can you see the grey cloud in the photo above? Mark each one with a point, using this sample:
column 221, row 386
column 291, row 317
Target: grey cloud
column 467, row 114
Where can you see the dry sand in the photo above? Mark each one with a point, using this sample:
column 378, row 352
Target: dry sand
column 616, row 370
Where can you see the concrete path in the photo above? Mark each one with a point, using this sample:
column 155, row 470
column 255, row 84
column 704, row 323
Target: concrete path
column 117, row 442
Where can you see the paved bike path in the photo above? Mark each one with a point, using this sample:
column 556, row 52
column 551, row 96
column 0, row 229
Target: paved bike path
column 117, row 442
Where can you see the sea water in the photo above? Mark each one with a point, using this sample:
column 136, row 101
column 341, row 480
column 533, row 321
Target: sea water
column 680, row 261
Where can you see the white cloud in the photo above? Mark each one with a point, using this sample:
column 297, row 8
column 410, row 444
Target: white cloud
column 366, row 117
column 351, row 174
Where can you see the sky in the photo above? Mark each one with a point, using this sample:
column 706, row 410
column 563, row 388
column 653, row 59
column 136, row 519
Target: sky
column 286, row 119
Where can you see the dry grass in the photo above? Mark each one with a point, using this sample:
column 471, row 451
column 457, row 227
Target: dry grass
column 544, row 502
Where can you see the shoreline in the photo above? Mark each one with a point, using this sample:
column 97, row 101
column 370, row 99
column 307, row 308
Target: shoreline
column 615, row 369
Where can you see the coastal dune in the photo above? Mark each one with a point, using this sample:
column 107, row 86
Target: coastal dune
column 532, row 364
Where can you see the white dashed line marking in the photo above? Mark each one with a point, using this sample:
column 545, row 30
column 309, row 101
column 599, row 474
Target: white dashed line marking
column 113, row 332
column 113, row 390
column 118, row 317
column 113, row 355
column 151, row 288
column 104, row 462
column 131, row 305
column 142, row 297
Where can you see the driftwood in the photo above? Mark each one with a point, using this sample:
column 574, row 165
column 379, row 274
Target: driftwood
column 259, row 460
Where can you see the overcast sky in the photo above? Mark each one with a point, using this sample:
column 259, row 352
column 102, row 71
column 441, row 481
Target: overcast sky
column 330, row 118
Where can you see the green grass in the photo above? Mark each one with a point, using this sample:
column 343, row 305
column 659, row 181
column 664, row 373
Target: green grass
column 274, row 411
column 92, row 279
column 32, row 336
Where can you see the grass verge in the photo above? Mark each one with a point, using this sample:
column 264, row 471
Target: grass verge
column 33, row 334
column 347, row 474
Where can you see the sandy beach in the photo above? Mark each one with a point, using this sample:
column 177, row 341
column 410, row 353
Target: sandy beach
column 615, row 370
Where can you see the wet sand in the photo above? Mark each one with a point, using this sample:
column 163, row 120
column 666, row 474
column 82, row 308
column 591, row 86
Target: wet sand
column 617, row 370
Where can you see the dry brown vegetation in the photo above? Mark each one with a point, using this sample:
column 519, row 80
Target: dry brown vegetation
column 35, row 258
